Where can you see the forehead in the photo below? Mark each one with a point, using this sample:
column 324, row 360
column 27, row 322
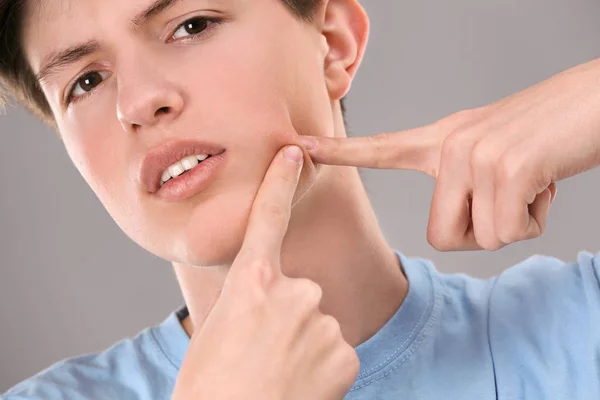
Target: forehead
column 53, row 24
column 61, row 15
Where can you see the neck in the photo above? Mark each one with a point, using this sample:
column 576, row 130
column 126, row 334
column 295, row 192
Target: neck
column 333, row 239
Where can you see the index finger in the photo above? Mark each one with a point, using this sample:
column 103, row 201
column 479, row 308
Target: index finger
column 412, row 149
column 271, row 210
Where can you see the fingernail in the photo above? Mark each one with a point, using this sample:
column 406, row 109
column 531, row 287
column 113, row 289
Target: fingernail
column 293, row 153
column 308, row 142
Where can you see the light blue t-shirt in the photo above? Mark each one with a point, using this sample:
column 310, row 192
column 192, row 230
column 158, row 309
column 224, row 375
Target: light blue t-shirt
column 531, row 333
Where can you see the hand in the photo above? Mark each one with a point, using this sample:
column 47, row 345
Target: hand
column 265, row 337
column 495, row 166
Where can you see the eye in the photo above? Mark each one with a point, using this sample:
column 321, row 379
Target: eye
column 86, row 84
column 192, row 27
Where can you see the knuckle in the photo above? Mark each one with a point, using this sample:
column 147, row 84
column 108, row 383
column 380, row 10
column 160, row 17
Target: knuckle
column 464, row 116
column 508, row 231
column 309, row 291
column 349, row 361
column 381, row 143
column 483, row 157
column 334, row 148
column 302, row 297
column 260, row 272
column 486, row 243
column 453, row 148
column 484, row 235
column 509, row 234
column 381, row 140
column 440, row 241
column 533, row 233
column 442, row 246
column 330, row 330
column 457, row 119
column 509, row 168
column 506, row 237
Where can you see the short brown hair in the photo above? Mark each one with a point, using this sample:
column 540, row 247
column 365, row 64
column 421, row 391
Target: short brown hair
column 18, row 80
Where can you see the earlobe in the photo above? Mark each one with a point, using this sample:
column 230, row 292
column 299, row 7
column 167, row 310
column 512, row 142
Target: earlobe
column 337, row 80
column 346, row 31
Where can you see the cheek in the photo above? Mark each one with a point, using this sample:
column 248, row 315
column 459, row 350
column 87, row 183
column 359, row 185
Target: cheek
column 252, row 83
column 90, row 154
column 254, row 97
column 89, row 132
column 102, row 156
column 240, row 88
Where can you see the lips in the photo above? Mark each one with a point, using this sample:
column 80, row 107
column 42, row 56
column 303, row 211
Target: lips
column 160, row 157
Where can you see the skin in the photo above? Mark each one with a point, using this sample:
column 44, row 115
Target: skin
column 265, row 336
column 496, row 167
column 279, row 78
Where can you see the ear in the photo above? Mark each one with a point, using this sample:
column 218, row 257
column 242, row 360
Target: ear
column 345, row 28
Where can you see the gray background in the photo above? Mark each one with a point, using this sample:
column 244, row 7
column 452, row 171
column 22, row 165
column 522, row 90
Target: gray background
column 71, row 282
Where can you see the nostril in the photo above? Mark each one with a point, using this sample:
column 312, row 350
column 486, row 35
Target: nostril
column 162, row 110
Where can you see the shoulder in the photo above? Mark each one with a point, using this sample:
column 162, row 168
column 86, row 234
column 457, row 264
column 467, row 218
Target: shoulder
column 544, row 286
column 544, row 328
column 132, row 368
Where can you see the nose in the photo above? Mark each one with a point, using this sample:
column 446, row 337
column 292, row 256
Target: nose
column 147, row 99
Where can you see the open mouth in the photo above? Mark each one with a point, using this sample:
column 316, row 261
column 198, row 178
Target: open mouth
column 163, row 167
column 182, row 167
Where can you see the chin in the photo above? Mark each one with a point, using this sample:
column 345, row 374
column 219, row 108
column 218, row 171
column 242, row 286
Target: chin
column 219, row 243
column 204, row 233
column 214, row 235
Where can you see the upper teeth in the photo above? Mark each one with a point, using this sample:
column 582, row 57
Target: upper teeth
column 181, row 166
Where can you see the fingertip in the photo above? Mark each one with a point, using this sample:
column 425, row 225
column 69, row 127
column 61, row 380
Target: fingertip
column 309, row 142
column 293, row 153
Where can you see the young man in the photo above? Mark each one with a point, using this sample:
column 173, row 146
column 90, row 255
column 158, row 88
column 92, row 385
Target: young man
column 291, row 290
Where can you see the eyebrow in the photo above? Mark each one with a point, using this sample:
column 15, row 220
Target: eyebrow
column 74, row 53
column 152, row 11
column 68, row 56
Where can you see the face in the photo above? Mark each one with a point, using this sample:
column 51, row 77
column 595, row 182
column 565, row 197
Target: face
column 242, row 75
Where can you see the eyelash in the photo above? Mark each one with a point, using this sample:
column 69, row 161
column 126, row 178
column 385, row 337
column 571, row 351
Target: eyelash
column 209, row 20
